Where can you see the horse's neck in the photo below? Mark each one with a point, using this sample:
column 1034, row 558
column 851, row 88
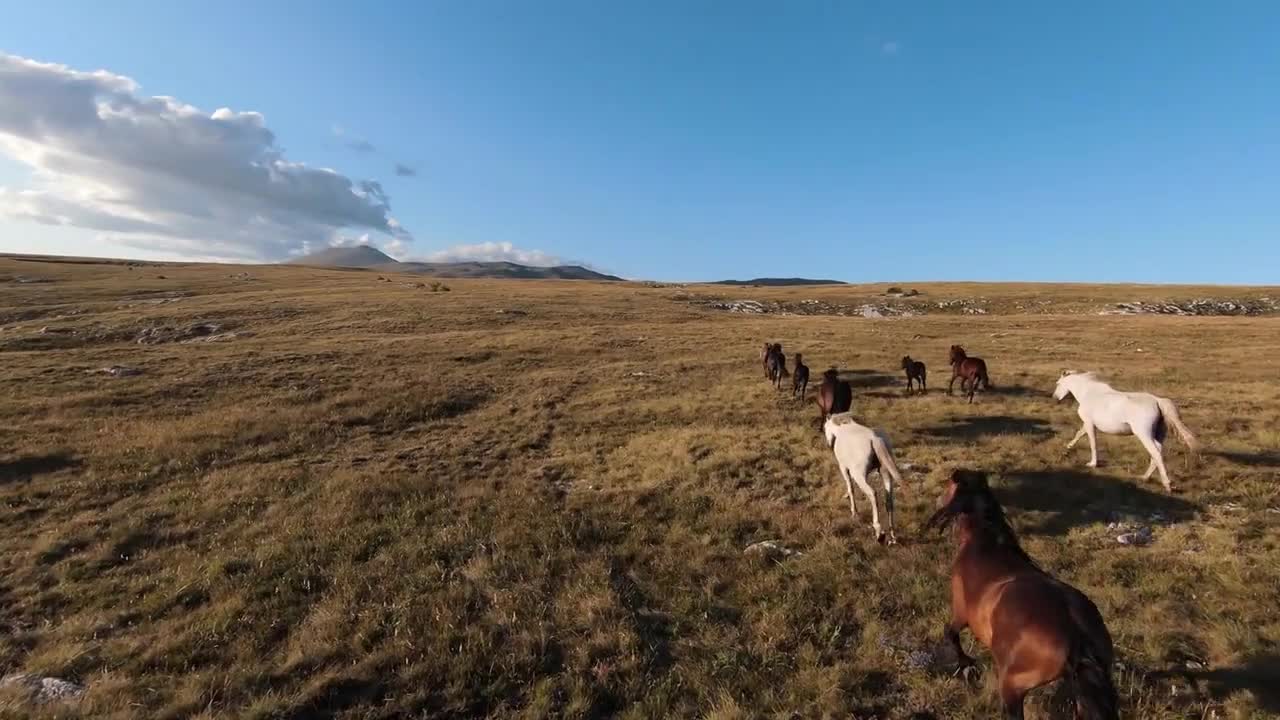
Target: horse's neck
column 1090, row 388
column 975, row 541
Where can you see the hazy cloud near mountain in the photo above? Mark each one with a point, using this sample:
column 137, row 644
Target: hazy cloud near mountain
column 494, row 252
column 155, row 173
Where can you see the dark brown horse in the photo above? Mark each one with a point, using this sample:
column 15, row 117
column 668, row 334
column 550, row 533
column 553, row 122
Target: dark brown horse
column 777, row 366
column 1037, row 628
column 834, row 395
column 915, row 371
column 800, row 378
column 970, row 370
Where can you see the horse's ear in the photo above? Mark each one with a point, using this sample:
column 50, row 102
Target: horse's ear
column 1066, row 373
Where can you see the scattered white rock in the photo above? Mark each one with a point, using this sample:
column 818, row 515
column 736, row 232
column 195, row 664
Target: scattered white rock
column 871, row 312
column 43, row 689
column 119, row 371
column 1137, row 538
column 741, row 306
column 771, row 549
column 220, row 337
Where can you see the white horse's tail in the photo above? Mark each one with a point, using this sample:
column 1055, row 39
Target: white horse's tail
column 1170, row 413
column 886, row 458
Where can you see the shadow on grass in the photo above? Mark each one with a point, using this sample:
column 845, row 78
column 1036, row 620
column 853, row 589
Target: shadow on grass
column 976, row 427
column 1257, row 675
column 1063, row 499
column 27, row 467
column 862, row 378
column 1262, row 458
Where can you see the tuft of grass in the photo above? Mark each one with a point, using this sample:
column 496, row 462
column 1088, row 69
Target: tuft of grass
column 532, row 501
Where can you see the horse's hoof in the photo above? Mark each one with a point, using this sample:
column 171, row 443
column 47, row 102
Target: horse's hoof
column 969, row 673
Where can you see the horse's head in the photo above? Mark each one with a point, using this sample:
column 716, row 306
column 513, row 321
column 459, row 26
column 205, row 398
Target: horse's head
column 1063, row 388
column 906, row 362
column 967, row 492
column 831, row 374
column 957, row 354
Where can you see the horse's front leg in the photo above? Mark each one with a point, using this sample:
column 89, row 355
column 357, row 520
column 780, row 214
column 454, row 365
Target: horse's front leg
column 964, row 663
column 1092, row 432
column 1076, row 439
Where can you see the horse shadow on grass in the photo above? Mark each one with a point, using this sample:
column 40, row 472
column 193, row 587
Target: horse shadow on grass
column 1256, row 675
column 861, row 378
column 1054, row 501
column 975, row 427
column 1262, row 458
column 28, row 466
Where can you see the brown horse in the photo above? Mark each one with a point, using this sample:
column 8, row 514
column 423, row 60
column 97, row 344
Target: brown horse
column 800, row 378
column 764, row 357
column 834, row 395
column 1037, row 628
column 970, row 370
column 915, row 371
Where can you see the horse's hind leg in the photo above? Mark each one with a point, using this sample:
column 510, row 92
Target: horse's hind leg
column 865, row 487
column 887, row 479
column 848, row 488
column 1154, row 447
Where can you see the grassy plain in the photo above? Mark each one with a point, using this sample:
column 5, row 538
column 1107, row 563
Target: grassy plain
column 530, row 499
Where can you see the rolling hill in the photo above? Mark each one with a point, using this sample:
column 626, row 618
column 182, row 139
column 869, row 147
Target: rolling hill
column 364, row 256
column 778, row 282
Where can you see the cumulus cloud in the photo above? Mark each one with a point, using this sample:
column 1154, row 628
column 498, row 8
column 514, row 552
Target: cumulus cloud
column 405, row 171
column 358, row 144
column 156, row 173
column 495, row 252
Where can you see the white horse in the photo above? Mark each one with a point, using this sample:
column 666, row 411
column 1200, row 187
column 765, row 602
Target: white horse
column 1104, row 408
column 859, row 450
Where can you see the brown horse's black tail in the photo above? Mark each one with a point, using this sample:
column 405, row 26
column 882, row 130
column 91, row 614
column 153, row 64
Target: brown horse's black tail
column 1089, row 679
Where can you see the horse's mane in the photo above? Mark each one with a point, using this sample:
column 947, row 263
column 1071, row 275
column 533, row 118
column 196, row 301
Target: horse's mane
column 992, row 527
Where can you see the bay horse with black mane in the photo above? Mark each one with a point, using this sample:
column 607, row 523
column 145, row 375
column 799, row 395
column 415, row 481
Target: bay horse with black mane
column 834, row 395
column 970, row 370
column 1038, row 628
column 777, row 365
column 915, row 371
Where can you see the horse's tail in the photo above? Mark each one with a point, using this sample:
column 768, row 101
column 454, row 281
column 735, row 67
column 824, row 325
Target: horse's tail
column 986, row 379
column 885, row 457
column 1089, row 678
column 1170, row 413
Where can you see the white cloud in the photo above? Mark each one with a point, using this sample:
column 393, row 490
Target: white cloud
column 495, row 252
column 889, row 47
column 155, row 173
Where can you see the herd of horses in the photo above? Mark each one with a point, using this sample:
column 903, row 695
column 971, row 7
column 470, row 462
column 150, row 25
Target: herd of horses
column 1037, row 628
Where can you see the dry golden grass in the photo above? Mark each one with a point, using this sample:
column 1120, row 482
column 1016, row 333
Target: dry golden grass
column 380, row 501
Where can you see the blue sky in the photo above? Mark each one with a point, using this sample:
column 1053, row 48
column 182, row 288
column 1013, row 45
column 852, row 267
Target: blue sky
column 1135, row 141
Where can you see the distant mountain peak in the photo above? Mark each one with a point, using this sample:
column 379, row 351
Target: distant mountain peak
column 355, row 256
